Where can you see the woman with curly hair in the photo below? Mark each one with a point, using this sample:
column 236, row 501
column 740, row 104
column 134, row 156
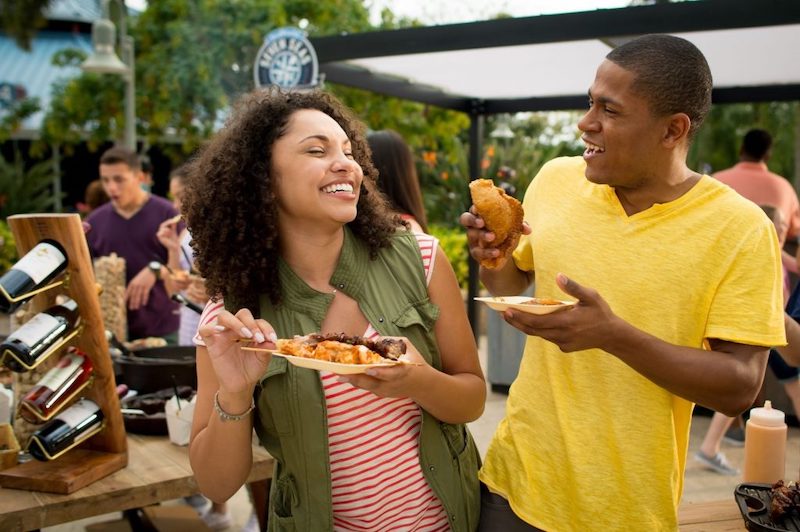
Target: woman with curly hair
column 290, row 230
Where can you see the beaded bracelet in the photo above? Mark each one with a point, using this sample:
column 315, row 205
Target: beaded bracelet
column 224, row 416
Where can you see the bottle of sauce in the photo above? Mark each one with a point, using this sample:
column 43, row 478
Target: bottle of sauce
column 765, row 445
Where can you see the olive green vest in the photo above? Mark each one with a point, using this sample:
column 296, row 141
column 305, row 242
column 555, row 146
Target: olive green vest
column 292, row 420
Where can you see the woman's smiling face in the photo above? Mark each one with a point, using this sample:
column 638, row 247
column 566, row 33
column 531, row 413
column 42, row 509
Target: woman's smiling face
column 316, row 176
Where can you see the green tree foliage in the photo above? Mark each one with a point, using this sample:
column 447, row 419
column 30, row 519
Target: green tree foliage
column 8, row 247
column 88, row 108
column 25, row 189
column 720, row 137
column 193, row 58
column 444, row 174
column 538, row 137
column 453, row 241
column 12, row 117
column 435, row 135
column 22, row 18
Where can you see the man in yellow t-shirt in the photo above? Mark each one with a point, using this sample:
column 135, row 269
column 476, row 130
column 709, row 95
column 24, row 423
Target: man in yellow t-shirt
column 678, row 285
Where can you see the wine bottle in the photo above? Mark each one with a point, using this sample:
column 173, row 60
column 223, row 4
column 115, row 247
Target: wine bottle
column 34, row 270
column 72, row 426
column 27, row 343
column 57, row 387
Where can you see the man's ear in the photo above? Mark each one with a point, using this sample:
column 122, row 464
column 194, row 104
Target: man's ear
column 677, row 130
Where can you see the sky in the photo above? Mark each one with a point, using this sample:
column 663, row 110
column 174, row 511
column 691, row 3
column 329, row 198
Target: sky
column 454, row 11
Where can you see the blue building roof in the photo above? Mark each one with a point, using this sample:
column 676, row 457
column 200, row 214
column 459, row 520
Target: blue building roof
column 34, row 72
column 74, row 10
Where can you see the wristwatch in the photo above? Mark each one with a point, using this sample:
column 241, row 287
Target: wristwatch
column 155, row 267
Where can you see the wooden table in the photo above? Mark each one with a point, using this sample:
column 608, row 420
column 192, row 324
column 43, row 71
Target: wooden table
column 714, row 516
column 157, row 471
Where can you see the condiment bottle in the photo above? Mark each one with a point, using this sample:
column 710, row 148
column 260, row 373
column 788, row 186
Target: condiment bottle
column 765, row 445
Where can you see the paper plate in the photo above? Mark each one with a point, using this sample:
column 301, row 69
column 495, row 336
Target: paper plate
column 333, row 367
column 524, row 304
column 324, row 365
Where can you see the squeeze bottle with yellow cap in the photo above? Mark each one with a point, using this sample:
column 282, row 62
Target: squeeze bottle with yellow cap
column 764, row 445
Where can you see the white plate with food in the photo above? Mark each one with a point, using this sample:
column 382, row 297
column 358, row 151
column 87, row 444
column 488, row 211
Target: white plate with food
column 335, row 367
column 348, row 357
column 531, row 305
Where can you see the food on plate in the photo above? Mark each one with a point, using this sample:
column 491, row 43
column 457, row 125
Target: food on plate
column 784, row 499
column 531, row 305
column 145, row 343
column 343, row 349
column 543, row 301
column 501, row 213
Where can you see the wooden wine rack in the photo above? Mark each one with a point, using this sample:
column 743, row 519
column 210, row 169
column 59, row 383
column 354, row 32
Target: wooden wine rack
column 105, row 452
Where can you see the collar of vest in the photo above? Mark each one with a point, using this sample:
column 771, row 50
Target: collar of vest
column 347, row 277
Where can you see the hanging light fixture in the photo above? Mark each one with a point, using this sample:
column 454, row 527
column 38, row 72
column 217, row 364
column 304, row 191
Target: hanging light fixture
column 104, row 60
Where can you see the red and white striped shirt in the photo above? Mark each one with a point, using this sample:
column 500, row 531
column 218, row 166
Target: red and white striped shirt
column 376, row 476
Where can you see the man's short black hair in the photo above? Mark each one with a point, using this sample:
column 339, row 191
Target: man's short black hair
column 121, row 155
column 671, row 73
column 756, row 144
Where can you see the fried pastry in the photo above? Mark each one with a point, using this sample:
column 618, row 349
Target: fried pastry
column 501, row 213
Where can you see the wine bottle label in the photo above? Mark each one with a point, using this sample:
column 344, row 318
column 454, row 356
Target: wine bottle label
column 35, row 329
column 78, row 412
column 57, row 376
column 40, row 261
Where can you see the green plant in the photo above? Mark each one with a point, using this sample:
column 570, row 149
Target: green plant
column 25, row 189
column 444, row 178
column 453, row 241
column 12, row 116
column 8, row 248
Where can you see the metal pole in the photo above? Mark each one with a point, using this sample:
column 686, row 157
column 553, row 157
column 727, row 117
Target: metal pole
column 130, row 95
column 126, row 47
column 475, row 149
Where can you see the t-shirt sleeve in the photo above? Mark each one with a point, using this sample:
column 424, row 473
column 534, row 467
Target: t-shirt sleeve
column 748, row 304
column 210, row 313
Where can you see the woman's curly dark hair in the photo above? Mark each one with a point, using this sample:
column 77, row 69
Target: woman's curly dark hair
column 230, row 195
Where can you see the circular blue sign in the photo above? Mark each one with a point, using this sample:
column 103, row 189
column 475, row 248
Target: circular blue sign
column 286, row 59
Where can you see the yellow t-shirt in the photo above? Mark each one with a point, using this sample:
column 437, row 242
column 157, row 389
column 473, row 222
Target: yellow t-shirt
column 587, row 442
